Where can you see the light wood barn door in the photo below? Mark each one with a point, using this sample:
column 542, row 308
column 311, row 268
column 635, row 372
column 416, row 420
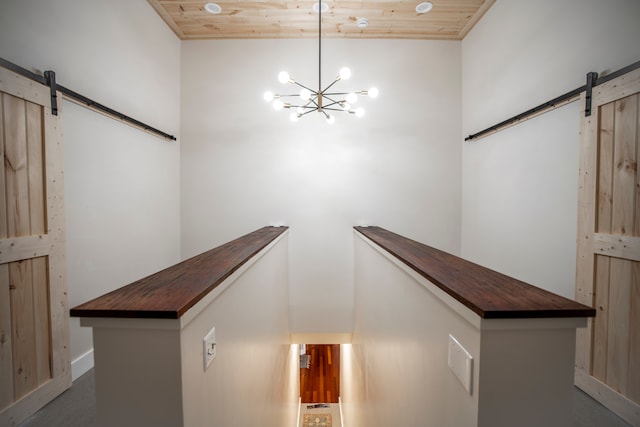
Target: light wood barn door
column 608, row 263
column 34, row 331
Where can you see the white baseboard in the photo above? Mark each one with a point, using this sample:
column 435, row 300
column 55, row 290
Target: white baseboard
column 81, row 365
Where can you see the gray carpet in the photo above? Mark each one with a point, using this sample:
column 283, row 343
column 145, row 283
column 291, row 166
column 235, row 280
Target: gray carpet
column 76, row 407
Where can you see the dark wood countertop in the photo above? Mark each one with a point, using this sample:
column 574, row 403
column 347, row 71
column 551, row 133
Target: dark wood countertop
column 169, row 293
column 489, row 294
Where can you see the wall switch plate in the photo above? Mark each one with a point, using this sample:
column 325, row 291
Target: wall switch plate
column 461, row 363
column 209, row 347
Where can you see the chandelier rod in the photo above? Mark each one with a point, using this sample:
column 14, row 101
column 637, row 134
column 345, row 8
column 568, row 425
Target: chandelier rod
column 319, row 47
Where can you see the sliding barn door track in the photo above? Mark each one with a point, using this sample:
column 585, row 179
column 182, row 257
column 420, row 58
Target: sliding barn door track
column 593, row 80
column 49, row 79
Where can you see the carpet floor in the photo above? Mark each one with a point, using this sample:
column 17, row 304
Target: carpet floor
column 76, row 407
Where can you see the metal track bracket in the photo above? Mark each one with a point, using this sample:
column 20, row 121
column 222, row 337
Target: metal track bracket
column 53, row 88
column 592, row 79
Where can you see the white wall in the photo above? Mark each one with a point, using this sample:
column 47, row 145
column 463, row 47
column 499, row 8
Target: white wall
column 253, row 379
column 245, row 165
column 121, row 184
column 398, row 360
column 519, row 201
column 396, row 371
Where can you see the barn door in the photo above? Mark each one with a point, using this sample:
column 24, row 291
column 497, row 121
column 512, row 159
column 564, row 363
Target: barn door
column 34, row 331
column 608, row 263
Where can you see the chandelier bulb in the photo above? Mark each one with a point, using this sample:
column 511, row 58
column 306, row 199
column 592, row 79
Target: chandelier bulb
column 345, row 73
column 268, row 96
column 294, row 117
column 331, row 119
column 359, row 112
column 283, row 77
column 278, row 105
column 352, row 98
column 373, row 92
column 305, row 94
column 345, row 106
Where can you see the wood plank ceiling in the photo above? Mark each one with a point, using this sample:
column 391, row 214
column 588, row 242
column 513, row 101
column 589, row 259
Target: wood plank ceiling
column 448, row 19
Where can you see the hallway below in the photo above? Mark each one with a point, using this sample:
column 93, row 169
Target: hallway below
column 320, row 382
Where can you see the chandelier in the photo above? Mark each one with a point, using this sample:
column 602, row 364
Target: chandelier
column 321, row 100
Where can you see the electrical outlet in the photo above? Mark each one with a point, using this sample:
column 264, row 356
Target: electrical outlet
column 461, row 363
column 209, row 347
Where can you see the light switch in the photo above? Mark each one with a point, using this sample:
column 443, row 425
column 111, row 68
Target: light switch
column 209, row 347
column 461, row 363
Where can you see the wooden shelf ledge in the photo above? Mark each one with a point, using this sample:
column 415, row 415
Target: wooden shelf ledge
column 489, row 294
column 169, row 293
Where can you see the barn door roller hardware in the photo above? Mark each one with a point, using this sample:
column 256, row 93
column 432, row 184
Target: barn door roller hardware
column 49, row 79
column 593, row 80
column 51, row 82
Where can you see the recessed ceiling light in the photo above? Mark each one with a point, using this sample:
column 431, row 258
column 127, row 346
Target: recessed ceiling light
column 212, row 8
column 424, row 7
column 316, row 7
column 362, row 22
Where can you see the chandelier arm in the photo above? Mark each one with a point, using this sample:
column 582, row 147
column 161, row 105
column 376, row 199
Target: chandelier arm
column 307, row 105
column 332, row 108
column 327, row 88
column 307, row 112
column 303, row 86
column 331, row 104
column 333, row 101
column 339, row 93
column 304, row 110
